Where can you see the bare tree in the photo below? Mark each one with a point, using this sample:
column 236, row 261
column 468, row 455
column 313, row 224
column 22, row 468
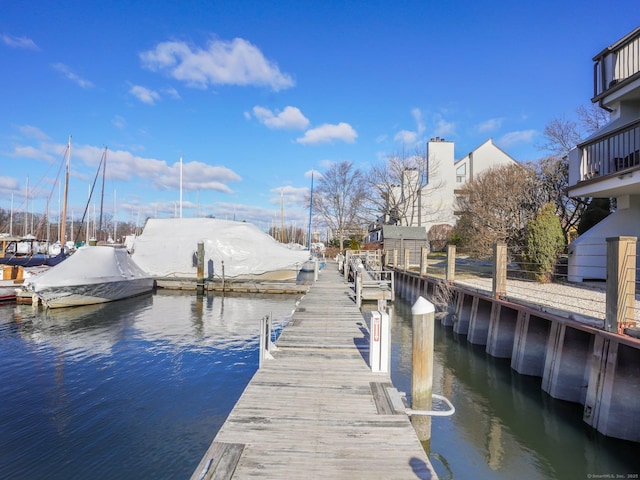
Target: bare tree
column 339, row 198
column 399, row 186
column 561, row 135
column 496, row 206
column 592, row 118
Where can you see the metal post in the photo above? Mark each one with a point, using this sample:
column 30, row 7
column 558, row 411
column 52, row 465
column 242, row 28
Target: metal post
column 451, row 264
column 407, row 257
column 265, row 340
column 621, row 273
column 499, row 269
column 423, row 313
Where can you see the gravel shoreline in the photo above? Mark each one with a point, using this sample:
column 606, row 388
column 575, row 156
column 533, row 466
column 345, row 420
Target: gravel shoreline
column 585, row 303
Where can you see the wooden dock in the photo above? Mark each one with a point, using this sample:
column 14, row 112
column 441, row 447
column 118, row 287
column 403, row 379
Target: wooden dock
column 316, row 410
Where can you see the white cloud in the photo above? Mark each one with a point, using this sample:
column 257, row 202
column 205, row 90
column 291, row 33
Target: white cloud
column 70, row 75
column 172, row 92
column 289, row 118
column 197, row 176
column 405, row 137
column 144, row 94
column 417, row 115
column 119, row 122
column 9, row 184
column 235, row 62
column 514, row 138
column 31, row 152
column 490, row 125
column 290, row 195
column 33, row 132
column 444, row 128
column 124, row 165
column 410, row 137
column 316, row 174
column 19, row 42
column 327, row 133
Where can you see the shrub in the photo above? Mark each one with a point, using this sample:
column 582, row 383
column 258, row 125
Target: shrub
column 439, row 236
column 544, row 241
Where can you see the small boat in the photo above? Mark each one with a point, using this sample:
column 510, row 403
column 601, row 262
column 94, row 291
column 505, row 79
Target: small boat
column 92, row 275
column 7, row 293
column 25, row 252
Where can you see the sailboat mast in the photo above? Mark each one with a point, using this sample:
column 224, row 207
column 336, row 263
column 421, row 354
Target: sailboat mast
column 115, row 220
column 180, row 186
column 26, row 211
column 11, row 218
column 310, row 209
column 281, row 216
column 104, row 169
column 63, row 220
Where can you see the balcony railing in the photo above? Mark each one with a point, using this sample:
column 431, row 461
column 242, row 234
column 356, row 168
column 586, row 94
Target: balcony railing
column 617, row 150
column 616, row 65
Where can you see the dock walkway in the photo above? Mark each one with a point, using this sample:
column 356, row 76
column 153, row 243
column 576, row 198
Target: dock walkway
column 316, row 410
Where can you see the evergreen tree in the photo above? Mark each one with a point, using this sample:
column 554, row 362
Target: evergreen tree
column 544, row 242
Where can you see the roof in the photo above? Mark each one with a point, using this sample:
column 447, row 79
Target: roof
column 408, row 233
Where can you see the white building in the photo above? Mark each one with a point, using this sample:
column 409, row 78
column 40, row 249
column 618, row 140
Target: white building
column 607, row 164
column 445, row 178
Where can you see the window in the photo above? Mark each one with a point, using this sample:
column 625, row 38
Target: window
column 461, row 173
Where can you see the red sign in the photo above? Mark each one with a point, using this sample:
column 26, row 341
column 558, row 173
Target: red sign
column 376, row 329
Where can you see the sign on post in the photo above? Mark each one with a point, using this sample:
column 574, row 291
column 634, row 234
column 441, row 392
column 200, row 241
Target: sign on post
column 379, row 342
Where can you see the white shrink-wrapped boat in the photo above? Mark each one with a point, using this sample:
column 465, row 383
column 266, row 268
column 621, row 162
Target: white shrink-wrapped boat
column 91, row 275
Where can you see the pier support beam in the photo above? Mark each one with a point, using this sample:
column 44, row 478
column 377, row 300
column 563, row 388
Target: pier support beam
column 502, row 331
column 479, row 323
column 530, row 346
column 621, row 285
column 464, row 309
column 566, row 368
column 612, row 406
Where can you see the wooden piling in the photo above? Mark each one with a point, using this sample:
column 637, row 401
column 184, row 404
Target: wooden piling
column 499, row 269
column 423, row 313
column 621, row 271
column 200, row 266
column 450, row 273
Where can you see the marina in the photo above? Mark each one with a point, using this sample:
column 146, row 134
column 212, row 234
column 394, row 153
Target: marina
column 140, row 388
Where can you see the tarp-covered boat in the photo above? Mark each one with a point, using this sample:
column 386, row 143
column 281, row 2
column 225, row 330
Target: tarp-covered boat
column 91, row 275
column 167, row 249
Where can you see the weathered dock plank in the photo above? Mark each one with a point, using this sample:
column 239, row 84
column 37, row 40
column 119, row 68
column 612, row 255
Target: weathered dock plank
column 316, row 410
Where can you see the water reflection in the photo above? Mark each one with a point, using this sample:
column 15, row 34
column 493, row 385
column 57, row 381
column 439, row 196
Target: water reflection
column 505, row 426
column 130, row 389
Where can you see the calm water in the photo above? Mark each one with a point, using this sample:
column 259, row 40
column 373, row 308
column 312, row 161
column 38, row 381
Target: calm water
column 138, row 389
column 505, row 426
column 133, row 389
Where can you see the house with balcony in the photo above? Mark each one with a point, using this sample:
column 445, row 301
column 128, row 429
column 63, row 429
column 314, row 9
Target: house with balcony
column 607, row 164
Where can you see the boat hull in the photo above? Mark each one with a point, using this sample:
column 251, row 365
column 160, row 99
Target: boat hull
column 76, row 295
column 7, row 294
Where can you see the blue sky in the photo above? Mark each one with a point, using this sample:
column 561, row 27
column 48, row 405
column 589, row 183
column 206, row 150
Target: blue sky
column 254, row 95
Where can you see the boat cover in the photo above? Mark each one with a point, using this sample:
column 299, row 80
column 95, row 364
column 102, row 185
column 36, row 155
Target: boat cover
column 168, row 248
column 87, row 266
